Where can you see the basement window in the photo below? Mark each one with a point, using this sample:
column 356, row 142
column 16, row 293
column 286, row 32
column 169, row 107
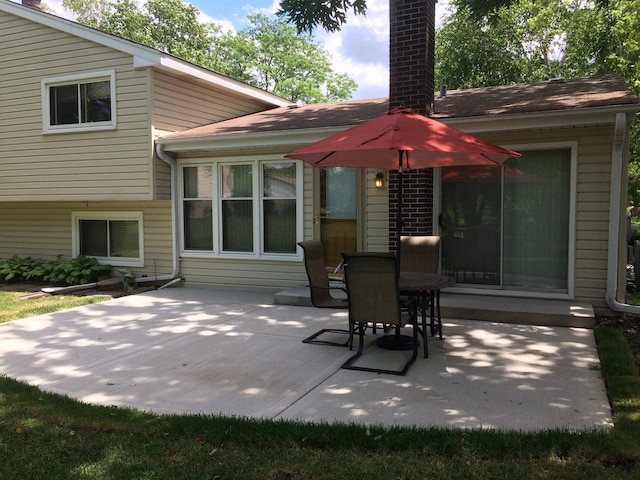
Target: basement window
column 115, row 238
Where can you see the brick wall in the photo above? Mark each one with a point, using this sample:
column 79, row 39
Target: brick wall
column 411, row 83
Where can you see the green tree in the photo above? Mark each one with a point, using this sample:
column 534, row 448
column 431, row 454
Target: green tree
column 541, row 39
column 306, row 15
column 470, row 54
column 268, row 54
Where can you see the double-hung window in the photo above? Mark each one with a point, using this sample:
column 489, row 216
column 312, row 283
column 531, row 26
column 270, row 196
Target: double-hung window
column 241, row 209
column 79, row 102
column 115, row 238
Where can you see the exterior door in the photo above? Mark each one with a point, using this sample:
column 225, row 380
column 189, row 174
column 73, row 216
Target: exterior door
column 510, row 227
column 338, row 214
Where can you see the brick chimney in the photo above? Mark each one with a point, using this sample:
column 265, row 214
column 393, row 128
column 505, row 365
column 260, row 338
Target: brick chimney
column 412, row 26
column 32, row 3
column 412, row 31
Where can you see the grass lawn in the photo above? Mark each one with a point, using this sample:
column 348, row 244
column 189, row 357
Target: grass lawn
column 12, row 308
column 47, row 436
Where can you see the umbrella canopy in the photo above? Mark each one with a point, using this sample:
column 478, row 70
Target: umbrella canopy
column 421, row 141
column 404, row 140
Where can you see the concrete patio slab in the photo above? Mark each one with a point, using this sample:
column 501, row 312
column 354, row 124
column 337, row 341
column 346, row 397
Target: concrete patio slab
column 189, row 350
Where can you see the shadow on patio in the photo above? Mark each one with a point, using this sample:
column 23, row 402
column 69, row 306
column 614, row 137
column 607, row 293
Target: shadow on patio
column 236, row 353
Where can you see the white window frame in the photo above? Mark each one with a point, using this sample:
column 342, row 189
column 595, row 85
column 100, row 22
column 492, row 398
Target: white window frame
column 109, row 216
column 88, row 77
column 258, row 220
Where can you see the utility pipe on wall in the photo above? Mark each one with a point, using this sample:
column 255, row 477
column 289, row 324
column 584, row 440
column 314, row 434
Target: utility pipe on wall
column 165, row 157
column 615, row 214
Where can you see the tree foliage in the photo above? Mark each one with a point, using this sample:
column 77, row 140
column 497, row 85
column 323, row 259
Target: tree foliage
column 272, row 55
column 520, row 41
column 268, row 54
column 306, row 15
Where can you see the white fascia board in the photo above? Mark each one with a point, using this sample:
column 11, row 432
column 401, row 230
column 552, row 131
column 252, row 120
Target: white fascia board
column 143, row 56
column 583, row 117
column 248, row 141
column 82, row 31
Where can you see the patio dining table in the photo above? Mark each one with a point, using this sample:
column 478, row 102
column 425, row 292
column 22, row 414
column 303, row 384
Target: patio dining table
column 426, row 288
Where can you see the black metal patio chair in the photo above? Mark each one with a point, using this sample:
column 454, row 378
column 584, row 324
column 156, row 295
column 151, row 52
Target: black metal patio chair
column 372, row 288
column 320, row 290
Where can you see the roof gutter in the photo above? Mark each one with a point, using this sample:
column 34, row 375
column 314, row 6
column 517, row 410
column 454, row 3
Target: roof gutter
column 495, row 122
column 615, row 217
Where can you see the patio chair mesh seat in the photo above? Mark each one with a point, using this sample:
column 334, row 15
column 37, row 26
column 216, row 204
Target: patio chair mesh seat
column 320, row 291
column 372, row 288
column 421, row 253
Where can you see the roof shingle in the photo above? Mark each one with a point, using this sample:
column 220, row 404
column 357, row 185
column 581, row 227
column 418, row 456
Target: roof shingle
column 548, row 96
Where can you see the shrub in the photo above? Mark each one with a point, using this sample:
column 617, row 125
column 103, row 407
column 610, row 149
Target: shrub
column 60, row 272
column 16, row 269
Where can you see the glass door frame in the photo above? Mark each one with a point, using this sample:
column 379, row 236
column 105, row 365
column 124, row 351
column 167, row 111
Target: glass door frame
column 360, row 202
column 500, row 290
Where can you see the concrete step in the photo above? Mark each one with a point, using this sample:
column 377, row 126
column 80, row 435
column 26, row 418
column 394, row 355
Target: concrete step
column 490, row 308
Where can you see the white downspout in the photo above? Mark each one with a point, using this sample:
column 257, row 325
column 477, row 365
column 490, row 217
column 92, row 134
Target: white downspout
column 615, row 213
column 165, row 157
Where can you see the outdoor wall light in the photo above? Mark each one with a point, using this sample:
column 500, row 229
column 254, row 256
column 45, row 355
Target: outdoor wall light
column 379, row 180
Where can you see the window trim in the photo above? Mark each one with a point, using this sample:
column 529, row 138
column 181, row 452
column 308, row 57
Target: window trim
column 108, row 216
column 258, row 248
column 87, row 77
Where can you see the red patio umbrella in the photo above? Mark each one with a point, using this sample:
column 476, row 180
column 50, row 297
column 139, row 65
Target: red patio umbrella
column 404, row 140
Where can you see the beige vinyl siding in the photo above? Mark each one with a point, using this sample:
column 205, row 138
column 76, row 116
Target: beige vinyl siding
column 161, row 179
column 259, row 275
column 43, row 230
column 309, row 207
column 592, row 232
column 96, row 165
column 180, row 104
column 377, row 214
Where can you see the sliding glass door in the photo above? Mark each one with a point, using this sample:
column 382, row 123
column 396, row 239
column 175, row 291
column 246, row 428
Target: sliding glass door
column 509, row 227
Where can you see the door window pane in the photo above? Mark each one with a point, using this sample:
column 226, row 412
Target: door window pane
column 509, row 226
column 338, row 212
column 536, row 220
column 471, row 222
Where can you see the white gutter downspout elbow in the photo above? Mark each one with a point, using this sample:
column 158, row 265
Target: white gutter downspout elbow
column 165, row 157
column 615, row 205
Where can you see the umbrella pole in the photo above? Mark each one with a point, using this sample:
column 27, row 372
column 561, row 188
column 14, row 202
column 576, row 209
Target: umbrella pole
column 399, row 207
